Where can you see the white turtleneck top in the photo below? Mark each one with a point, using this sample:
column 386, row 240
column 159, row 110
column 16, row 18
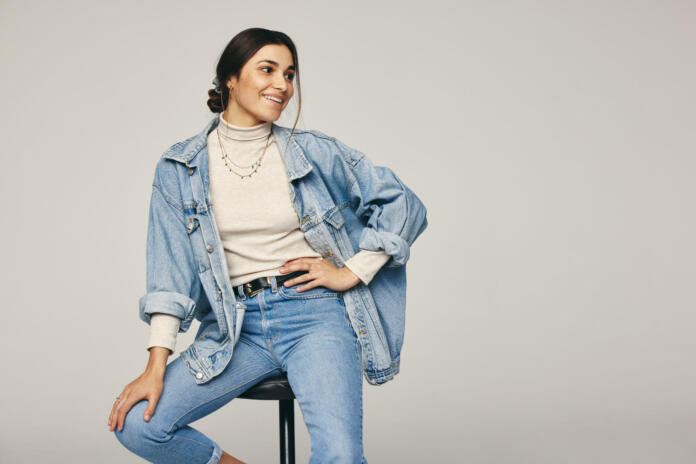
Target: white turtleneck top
column 261, row 236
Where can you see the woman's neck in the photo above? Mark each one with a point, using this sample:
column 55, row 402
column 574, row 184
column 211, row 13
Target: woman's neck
column 231, row 131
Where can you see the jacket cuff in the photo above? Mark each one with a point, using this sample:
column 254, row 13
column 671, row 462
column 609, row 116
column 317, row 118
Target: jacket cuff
column 366, row 263
column 172, row 303
column 163, row 330
column 392, row 244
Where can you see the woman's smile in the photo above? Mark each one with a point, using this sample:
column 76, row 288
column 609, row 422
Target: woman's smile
column 273, row 102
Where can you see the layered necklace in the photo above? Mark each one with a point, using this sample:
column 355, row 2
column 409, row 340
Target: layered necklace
column 254, row 166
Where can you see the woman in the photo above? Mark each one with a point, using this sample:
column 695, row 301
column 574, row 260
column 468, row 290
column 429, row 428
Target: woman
column 280, row 306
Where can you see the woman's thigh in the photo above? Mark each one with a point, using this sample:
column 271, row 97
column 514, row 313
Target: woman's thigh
column 184, row 401
column 322, row 356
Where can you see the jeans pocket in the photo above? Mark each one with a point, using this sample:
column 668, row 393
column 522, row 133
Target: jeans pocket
column 313, row 293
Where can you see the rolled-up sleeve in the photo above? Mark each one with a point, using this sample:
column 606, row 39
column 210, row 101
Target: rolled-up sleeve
column 163, row 330
column 366, row 263
column 394, row 216
column 172, row 282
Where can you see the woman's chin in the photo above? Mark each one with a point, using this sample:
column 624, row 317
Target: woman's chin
column 271, row 117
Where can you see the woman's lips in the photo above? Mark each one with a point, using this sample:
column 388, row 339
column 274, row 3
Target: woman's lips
column 272, row 102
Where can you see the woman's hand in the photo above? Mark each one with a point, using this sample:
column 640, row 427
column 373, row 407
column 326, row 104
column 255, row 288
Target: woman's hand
column 321, row 273
column 148, row 385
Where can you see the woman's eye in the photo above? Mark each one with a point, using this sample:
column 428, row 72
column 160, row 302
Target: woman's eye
column 290, row 76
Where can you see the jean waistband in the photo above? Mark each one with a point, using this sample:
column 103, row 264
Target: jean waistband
column 255, row 286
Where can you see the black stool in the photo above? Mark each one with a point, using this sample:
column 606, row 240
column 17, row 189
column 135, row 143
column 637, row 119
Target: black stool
column 278, row 388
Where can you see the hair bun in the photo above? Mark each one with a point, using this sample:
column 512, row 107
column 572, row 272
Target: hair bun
column 214, row 101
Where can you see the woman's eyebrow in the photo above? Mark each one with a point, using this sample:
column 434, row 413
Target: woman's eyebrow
column 275, row 64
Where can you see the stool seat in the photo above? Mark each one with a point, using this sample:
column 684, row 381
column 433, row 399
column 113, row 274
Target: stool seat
column 271, row 388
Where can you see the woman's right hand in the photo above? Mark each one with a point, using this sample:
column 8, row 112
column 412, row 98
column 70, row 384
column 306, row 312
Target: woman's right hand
column 148, row 385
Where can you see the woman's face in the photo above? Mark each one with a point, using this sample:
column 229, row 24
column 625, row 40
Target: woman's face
column 268, row 73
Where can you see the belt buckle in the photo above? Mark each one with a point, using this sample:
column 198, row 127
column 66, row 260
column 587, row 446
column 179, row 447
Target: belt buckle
column 251, row 294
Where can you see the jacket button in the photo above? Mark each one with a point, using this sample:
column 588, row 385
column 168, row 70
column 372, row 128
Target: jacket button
column 209, row 248
column 199, row 375
column 190, row 171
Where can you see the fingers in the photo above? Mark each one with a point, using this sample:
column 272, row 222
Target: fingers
column 315, row 274
column 299, row 264
column 297, row 280
column 113, row 414
column 121, row 411
column 113, row 419
column 151, row 405
column 315, row 279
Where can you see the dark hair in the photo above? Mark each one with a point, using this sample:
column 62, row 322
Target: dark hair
column 237, row 52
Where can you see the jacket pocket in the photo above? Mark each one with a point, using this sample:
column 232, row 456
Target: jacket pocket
column 332, row 224
column 334, row 216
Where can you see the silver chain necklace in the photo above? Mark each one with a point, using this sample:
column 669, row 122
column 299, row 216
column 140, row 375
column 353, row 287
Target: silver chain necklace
column 255, row 165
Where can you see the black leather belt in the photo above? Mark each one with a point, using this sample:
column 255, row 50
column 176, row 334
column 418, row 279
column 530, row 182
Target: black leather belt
column 255, row 286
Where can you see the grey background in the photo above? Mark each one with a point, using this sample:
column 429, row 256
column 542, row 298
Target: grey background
column 550, row 301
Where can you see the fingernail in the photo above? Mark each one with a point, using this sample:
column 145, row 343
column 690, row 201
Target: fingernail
column 147, row 417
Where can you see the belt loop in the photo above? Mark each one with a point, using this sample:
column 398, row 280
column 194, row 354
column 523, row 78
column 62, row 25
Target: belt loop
column 240, row 290
column 272, row 281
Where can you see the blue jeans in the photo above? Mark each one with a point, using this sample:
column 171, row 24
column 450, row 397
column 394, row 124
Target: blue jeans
column 306, row 334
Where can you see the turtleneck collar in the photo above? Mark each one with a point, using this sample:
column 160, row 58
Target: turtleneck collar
column 231, row 131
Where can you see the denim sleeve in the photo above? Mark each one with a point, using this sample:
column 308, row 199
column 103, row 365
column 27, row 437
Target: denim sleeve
column 393, row 214
column 172, row 282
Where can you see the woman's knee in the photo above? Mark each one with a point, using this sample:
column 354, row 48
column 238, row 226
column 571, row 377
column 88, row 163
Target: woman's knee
column 137, row 432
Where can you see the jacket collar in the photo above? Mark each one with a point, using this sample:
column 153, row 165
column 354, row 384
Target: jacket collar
column 189, row 151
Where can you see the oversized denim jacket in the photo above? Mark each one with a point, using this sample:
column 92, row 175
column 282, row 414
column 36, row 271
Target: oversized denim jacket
column 344, row 203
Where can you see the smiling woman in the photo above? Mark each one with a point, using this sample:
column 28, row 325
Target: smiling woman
column 292, row 260
column 261, row 89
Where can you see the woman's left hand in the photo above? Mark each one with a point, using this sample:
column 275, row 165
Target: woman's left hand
column 321, row 273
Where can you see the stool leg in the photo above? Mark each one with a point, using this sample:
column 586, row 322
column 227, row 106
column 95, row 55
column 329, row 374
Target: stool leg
column 287, row 431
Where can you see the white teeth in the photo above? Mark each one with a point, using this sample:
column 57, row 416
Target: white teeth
column 273, row 98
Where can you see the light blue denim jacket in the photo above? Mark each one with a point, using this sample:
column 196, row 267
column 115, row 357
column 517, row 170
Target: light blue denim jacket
column 344, row 203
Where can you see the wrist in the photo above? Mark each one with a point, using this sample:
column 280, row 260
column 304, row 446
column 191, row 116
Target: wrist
column 155, row 370
column 355, row 280
column 157, row 363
